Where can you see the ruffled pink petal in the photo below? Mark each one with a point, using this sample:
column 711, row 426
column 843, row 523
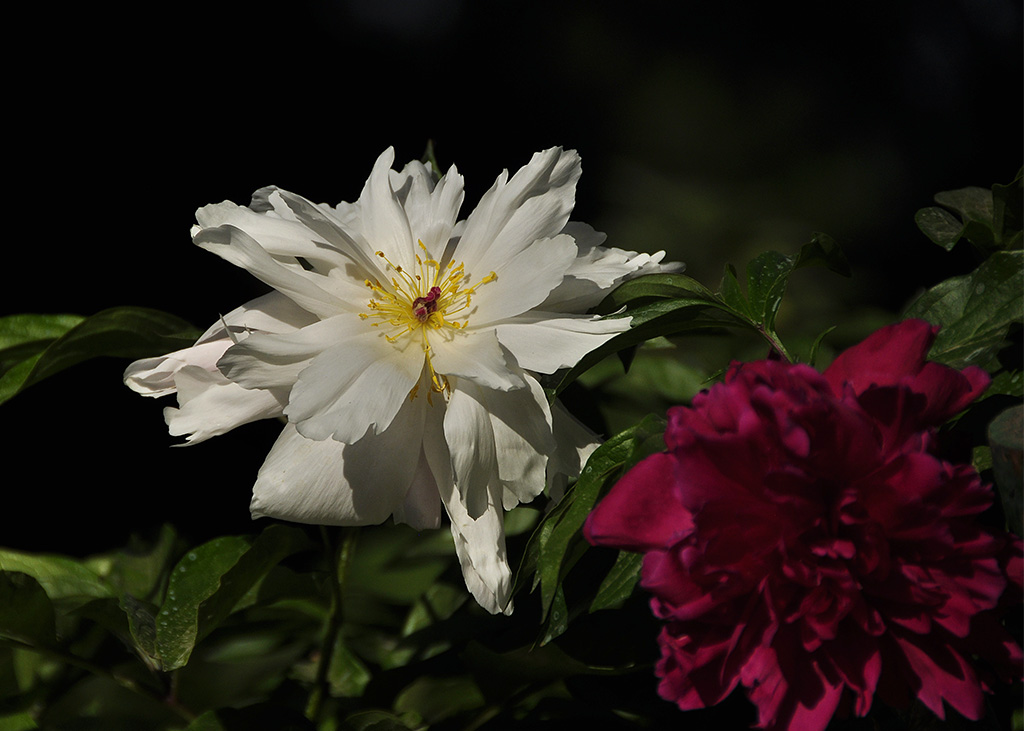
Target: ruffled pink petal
column 640, row 512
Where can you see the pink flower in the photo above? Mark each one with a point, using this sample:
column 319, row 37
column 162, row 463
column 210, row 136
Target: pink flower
column 803, row 540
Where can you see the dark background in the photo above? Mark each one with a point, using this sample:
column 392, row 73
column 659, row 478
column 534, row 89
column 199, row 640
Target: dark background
column 712, row 130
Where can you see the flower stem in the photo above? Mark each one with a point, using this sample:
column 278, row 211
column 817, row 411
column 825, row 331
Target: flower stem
column 338, row 558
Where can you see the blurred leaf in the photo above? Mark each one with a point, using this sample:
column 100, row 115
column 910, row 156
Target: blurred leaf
column 397, row 564
column 26, row 613
column 22, row 721
column 209, row 581
column 974, row 311
column 436, row 698
column 618, row 584
column 347, row 674
column 256, row 717
column 139, row 569
column 374, row 720
column 63, row 579
column 35, row 347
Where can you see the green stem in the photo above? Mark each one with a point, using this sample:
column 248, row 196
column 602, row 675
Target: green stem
column 94, row 669
column 774, row 341
column 339, row 559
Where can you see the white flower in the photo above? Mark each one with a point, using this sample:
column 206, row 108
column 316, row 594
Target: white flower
column 402, row 346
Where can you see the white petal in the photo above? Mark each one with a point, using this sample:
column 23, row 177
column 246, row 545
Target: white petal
column 470, row 439
column 480, row 542
column 478, row 357
column 432, row 209
column 422, row 506
column 385, row 224
column 335, row 230
column 241, row 249
column 275, row 361
column 534, row 204
column 271, row 313
column 544, row 341
column 210, row 405
column 521, row 424
column 278, row 237
column 353, row 386
column 575, row 444
column 597, row 270
column 524, row 281
column 156, row 376
column 330, row 483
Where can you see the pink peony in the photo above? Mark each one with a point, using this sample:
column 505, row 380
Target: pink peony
column 803, row 540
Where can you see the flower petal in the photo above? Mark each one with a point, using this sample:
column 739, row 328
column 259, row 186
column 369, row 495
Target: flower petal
column 534, row 204
column 357, row 384
column 432, row 208
column 470, row 439
column 384, row 222
column 521, row 425
column 422, row 506
column 476, row 356
column 242, row 250
column 641, row 512
column 574, row 443
column 210, row 405
column 598, row 269
column 523, row 282
column 545, row 341
column 330, row 483
column 270, row 361
column 479, row 542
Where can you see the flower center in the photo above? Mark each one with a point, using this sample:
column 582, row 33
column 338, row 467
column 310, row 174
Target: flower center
column 434, row 299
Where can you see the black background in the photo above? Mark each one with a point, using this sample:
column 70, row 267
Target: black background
column 715, row 130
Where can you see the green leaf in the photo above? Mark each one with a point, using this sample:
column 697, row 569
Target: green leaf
column 63, row 579
column 24, row 335
column 26, row 613
column 732, row 295
column 1008, row 212
column 940, row 226
column 767, row 276
column 557, row 542
column 209, row 581
column 39, row 346
column 141, row 623
column 974, row 311
column 618, row 584
column 989, row 219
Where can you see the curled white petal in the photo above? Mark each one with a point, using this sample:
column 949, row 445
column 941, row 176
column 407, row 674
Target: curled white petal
column 210, row 405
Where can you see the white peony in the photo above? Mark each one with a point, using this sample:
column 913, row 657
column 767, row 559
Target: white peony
column 401, row 345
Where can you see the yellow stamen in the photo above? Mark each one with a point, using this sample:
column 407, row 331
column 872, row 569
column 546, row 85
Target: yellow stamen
column 433, row 300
